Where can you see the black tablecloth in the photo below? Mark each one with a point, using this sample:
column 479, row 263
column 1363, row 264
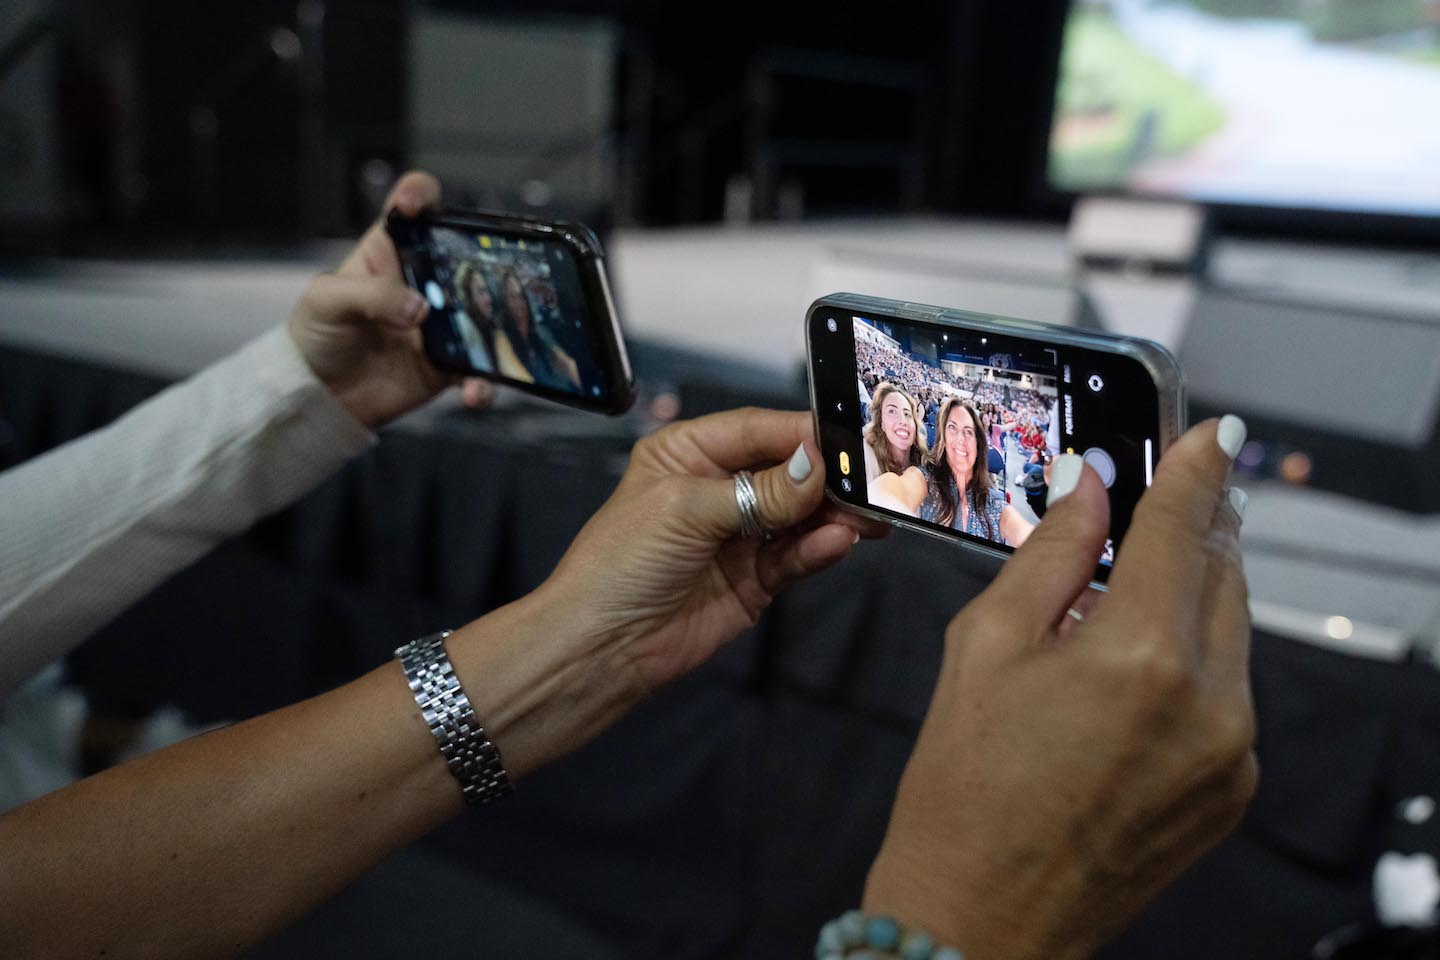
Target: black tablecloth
column 740, row 808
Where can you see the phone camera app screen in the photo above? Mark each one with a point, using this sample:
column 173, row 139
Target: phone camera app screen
column 958, row 429
column 513, row 306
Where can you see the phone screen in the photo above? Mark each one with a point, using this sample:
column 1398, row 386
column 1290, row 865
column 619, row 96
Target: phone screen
column 511, row 306
column 955, row 428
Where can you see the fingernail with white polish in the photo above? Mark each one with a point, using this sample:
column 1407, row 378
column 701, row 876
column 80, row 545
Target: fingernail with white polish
column 1064, row 477
column 1231, row 435
column 854, row 537
column 1239, row 500
column 799, row 464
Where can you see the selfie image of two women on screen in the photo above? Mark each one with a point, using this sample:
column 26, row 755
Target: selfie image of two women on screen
column 954, row 434
column 512, row 305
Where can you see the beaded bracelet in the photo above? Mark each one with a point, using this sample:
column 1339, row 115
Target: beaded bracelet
column 854, row 936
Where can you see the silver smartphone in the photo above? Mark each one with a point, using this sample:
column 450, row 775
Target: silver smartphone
column 946, row 421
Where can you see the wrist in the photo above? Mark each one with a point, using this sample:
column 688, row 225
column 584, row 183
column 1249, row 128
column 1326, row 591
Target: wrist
column 981, row 916
column 540, row 686
column 346, row 399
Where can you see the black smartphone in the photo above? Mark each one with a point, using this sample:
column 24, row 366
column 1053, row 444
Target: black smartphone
column 520, row 301
column 945, row 421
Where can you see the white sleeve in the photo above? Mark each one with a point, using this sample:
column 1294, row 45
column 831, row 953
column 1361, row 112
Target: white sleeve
column 92, row 526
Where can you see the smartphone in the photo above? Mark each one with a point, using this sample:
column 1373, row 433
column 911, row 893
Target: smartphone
column 520, row 301
column 944, row 421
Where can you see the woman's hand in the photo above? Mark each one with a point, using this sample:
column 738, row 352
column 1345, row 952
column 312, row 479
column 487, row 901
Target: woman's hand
column 1014, row 527
column 900, row 492
column 1067, row 771
column 661, row 573
column 654, row 583
column 359, row 328
column 566, row 365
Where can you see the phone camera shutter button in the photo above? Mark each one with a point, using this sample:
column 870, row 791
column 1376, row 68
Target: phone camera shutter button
column 1102, row 463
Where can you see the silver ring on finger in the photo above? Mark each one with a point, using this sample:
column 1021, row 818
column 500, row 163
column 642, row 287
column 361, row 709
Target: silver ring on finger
column 751, row 526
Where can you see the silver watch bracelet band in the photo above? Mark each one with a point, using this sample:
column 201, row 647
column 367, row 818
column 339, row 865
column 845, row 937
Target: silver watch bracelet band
column 472, row 758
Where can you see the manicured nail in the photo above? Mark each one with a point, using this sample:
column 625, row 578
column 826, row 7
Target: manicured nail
column 1064, row 477
column 854, row 537
column 1231, row 435
column 1239, row 500
column 799, row 464
column 415, row 307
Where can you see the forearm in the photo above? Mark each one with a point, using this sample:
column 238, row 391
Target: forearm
column 216, row 843
column 991, row 902
column 917, row 898
column 206, row 847
column 94, row 525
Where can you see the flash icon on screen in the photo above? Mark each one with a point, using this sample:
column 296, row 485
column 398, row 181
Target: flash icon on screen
column 844, row 463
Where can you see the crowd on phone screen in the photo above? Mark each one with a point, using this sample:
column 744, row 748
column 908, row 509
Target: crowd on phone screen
column 505, row 317
column 962, row 427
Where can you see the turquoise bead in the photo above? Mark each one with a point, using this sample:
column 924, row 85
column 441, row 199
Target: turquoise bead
column 947, row 953
column 917, row 945
column 829, row 941
column 882, row 933
column 852, row 927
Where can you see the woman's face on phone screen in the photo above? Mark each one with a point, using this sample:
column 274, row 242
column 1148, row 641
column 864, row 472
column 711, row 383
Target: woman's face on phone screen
column 960, row 443
column 897, row 422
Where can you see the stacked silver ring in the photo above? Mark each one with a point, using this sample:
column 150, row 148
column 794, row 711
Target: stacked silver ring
column 473, row 760
column 751, row 526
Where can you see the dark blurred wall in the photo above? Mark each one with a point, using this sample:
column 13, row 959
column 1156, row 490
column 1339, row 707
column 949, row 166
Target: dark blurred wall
column 996, row 127
column 234, row 91
column 272, row 120
column 209, row 76
column 978, row 117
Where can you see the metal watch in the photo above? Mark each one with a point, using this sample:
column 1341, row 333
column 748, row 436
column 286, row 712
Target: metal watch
column 472, row 758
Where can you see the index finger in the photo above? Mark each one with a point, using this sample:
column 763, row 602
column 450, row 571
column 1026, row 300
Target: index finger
column 374, row 255
column 1162, row 564
column 1227, row 654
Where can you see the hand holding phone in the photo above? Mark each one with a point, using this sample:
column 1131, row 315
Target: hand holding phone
column 1131, row 725
column 520, row 301
column 946, row 421
column 357, row 328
